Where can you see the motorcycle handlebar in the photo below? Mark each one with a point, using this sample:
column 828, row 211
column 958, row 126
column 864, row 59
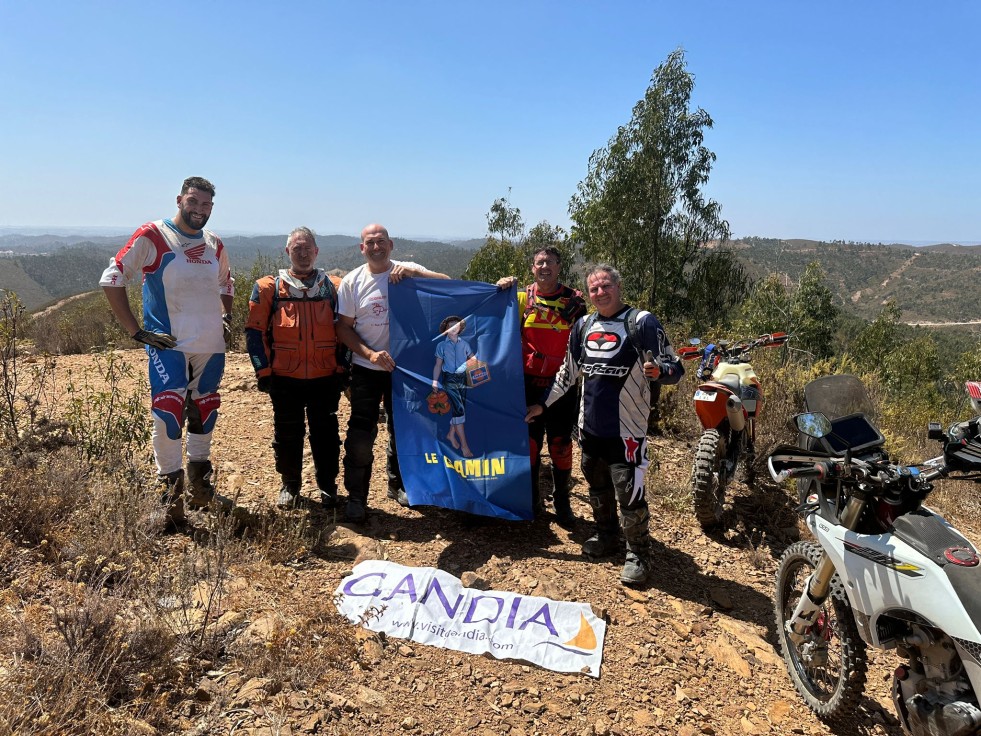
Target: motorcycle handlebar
column 818, row 470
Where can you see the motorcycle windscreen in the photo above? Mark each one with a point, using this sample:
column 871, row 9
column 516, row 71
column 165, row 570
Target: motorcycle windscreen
column 845, row 401
column 836, row 396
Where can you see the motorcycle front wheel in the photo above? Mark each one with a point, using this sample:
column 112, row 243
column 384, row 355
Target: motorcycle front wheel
column 828, row 667
column 708, row 487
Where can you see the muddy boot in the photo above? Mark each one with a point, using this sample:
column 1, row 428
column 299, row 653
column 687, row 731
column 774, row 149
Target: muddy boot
column 172, row 495
column 637, row 567
column 289, row 495
column 560, row 498
column 201, row 493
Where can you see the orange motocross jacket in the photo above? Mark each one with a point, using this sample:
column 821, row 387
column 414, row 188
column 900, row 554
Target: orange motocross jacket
column 290, row 329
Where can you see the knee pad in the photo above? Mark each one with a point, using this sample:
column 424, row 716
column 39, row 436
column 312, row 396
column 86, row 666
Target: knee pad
column 202, row 413
column 534, row 450
column 560, row 449
column 168, row 407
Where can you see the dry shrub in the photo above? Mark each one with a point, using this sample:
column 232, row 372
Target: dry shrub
column 306, row 647
column 36, row 502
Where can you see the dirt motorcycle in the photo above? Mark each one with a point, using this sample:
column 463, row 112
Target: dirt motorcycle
column 728, row 400
column 885, row 571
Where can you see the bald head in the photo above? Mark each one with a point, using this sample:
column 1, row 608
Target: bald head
column 376, row 247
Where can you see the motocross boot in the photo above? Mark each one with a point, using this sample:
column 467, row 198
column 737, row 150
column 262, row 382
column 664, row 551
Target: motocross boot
column 606, row 540
column 289, row 495
column 172, row 494
column 561, row 480
column 202, row 492
column 356, row 510
column 637, row 567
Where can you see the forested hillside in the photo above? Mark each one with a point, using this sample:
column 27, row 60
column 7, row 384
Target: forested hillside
column 936, row 283
column 40, row 276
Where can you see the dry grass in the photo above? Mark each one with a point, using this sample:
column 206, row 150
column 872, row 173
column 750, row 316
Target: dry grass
column 108, row 622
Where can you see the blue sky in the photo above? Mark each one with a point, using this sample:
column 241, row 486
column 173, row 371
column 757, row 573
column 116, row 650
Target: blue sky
column 832, row 120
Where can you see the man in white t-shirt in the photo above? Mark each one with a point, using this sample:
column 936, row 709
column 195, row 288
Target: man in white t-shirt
column 363, row 319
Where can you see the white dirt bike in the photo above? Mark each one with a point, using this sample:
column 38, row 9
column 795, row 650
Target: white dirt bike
column 886, row 571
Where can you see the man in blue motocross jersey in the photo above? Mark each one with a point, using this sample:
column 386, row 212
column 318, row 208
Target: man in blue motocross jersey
column 617, row 370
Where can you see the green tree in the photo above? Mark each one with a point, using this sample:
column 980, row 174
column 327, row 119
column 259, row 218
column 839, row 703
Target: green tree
column 911, row 366
column 641, row 206
column 505, row 221
column 879, row 338
column 508, row 249
column 766, row 309
column 813, row 314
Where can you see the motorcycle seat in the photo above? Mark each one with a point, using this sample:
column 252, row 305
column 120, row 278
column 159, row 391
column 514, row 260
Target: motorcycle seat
column 731, row 382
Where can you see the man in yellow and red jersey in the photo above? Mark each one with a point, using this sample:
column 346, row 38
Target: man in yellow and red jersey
column 548, row 311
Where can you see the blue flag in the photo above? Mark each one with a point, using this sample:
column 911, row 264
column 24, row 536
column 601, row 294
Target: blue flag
column 458, row 397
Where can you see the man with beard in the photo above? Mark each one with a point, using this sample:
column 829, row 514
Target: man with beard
column 363, row 325
column 187, row 308
column 293, row 347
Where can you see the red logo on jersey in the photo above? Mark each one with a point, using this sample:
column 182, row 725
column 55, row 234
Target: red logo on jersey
column 631, row 446
column 604, row 342
column 194, row 255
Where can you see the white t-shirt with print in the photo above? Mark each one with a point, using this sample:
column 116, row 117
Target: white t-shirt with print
column 363, row 295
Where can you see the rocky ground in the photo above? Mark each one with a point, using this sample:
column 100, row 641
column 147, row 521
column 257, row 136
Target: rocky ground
column 692, row 652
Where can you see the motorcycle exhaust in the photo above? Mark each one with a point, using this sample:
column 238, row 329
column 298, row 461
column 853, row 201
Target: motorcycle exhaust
column 737, row 417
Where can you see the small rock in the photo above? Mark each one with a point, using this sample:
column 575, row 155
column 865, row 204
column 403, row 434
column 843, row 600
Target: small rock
column 601, row 727
column 409, row 723
column 779, row 711
column 721, row 597
column 471, row 579
column 747, row 725
column 635, row 595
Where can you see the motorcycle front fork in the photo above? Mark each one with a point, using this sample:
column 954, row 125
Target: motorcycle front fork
column 819, row 583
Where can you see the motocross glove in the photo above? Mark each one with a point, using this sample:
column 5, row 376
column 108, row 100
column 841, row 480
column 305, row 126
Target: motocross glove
column 264, row 383
column 158, row 340
column 226, row 325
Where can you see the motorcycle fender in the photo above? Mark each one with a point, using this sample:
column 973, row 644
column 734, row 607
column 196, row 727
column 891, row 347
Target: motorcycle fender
column 883, row 575
column 710, row 404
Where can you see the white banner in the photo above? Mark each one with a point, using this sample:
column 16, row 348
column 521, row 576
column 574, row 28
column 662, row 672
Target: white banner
column 432, row 607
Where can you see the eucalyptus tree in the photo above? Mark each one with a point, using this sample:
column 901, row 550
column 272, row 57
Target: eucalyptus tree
column 641, row 206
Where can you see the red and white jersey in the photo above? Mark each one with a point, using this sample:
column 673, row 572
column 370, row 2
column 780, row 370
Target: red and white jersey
column 183, row 276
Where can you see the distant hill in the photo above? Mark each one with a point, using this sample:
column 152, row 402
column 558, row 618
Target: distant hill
column 932, row 283
column 936, row 283
column 45, row 268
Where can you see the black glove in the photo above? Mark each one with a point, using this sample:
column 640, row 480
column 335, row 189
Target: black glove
column 158, row 340
column 264, row 383
column 226, row 324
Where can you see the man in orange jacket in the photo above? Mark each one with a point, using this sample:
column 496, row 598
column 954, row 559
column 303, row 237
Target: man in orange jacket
column 293, row 347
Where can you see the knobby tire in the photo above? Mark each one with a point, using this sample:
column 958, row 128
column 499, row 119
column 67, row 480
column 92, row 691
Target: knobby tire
column 832, row 690
column 708, row 492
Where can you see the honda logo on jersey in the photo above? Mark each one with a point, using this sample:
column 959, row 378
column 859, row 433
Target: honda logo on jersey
column 194, row 255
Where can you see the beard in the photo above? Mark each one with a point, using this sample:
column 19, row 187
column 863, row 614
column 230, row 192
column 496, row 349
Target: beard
column 192, row 220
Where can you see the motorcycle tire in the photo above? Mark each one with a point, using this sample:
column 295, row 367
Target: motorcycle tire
column 707, row 488
column 828, row 670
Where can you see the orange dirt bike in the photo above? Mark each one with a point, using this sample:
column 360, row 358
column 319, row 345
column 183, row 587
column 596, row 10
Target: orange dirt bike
column 728, row 399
